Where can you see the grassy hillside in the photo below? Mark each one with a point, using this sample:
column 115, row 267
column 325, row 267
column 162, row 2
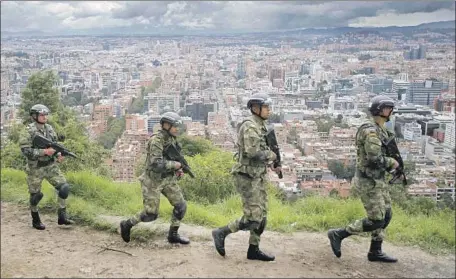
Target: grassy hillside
column 93, row 195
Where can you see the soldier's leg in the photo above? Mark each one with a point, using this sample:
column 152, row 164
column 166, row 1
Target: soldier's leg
column 34, row 179
column 250, row 190
column 377, row 236
column 174, row 195
column 151, row 200
column 244, row 187
column 371, row 195
column 255, row 234
column 254, row 252
column 62, row 188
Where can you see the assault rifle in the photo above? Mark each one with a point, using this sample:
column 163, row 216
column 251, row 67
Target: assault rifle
column 41, row 142
column 271, row 141
column 173, row 153
column 393, row 151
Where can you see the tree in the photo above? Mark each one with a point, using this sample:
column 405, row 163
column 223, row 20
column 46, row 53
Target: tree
column 192, row 146
column 40, row 90
column 334, row 193
column 213, row 181
column 447, row 201
column 340, row 170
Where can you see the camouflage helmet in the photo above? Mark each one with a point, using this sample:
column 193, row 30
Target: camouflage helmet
column 39, row 109
column 171, row 117
column 380, row 102
column 259, row 99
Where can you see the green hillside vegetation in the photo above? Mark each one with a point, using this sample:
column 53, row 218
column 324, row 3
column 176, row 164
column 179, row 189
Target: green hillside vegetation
column 212, row 198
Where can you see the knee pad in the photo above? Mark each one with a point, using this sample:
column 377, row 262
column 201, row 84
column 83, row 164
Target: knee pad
column 249, row 225
column 148, row 217
column 388, row 217
column 35, row 198
column 262, row 226
column 372, row 225
column 64, row 190
column 179, row 210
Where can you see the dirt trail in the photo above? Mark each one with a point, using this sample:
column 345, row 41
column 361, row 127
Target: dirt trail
column 77, row 252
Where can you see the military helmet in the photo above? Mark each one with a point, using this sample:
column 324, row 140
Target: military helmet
column 171, row 117
column 380, row 102
column 39, row 109
column 259, row 99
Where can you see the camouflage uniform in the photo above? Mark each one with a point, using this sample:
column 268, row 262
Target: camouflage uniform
column 250, row 176
column 249, row 173
column 158, row 178
column 39, row 167
column 370, row 185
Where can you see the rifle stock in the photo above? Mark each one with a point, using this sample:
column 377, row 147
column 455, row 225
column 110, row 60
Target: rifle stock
column 271, row 141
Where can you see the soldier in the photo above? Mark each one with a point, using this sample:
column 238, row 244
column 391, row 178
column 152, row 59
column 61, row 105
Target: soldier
column 160, row 176
column 250, row 175
column 41, row 164
column 369, row 182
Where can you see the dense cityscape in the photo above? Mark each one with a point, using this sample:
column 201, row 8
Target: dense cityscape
column 320, row 81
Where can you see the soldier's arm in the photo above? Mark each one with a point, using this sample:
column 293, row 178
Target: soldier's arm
column 252, row 139
column 156, row 159
column 25, row 143
column 373, row 148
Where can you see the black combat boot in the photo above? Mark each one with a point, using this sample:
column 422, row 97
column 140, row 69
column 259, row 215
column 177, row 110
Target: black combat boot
column 36, row 221
column 174, row 237
column 335, row 238
column 125, row 229
column 254, row 253
column 63, row 219
column 219, row 236
column 376, row 255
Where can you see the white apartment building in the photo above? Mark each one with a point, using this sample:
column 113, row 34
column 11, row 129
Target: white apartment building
column 449, row 135
column 412, row 131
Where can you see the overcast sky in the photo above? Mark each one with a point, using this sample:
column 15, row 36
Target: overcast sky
column 162, row 16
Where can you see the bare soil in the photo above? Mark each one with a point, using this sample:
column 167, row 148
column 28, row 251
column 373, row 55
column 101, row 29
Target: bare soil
column 83, row 252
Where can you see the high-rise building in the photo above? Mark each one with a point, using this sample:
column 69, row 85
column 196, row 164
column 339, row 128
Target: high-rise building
column 198, row 111
column 240, row 72
column 415, row 53
column 449, row 135
column 424, row 92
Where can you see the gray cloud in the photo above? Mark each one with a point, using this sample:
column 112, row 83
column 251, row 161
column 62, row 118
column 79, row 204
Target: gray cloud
column 215, row 15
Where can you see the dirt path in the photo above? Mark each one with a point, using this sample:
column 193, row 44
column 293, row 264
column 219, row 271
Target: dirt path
column 77, row 252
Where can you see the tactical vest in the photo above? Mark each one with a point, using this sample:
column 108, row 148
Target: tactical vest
column 239, row 154
column 361, row 161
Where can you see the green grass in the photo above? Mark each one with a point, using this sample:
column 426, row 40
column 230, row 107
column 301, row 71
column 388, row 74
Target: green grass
column 92, row 196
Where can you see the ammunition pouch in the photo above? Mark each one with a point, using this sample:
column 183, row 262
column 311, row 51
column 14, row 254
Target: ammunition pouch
column 371, row 173
column 252, row 162
column 42, row 164
column 167, row 174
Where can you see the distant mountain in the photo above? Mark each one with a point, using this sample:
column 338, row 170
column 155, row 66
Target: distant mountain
column 129, row 31
column 438, row 25
column 341, row 30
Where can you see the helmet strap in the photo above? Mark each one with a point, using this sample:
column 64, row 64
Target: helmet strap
column 258, row 114
column 35, row 117
column 167, row 130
